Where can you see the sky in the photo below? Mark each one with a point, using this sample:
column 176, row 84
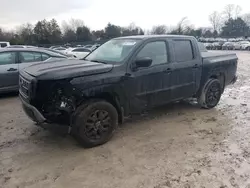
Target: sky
column 97, row 13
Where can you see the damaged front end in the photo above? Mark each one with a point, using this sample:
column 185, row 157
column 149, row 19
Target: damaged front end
column 59, row 104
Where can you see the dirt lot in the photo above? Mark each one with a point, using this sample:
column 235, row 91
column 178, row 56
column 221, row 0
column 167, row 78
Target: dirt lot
column 177, row 145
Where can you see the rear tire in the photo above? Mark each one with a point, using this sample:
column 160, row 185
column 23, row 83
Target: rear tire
column 94, row 123
column 210, row 94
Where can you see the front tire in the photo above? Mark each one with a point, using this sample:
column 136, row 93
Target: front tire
column 94, row 123
column 210, row 94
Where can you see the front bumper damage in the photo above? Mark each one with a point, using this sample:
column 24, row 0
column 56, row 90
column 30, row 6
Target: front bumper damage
column 34, row 114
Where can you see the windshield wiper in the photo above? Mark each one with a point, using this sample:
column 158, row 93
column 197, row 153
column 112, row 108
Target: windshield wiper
column 98, row 61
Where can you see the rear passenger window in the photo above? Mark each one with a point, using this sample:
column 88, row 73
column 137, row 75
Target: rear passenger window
column 157, row 51
column 45, row 57
column 183, row 50
column 37, row 56
column 28, row 57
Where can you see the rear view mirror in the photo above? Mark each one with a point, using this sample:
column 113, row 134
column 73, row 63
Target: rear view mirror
column 143, row 62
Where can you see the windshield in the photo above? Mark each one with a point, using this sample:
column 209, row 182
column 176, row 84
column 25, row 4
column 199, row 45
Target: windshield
column 115, row 50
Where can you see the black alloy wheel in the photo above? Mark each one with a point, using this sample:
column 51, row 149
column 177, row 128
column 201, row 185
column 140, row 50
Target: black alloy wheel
column 210, row 94
column 213, row 94
column 94, row 123
column 97, row 124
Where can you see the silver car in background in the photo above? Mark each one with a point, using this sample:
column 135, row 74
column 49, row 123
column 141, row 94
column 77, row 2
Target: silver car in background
column 14, row 59
column 228, row 46
column 21, row 46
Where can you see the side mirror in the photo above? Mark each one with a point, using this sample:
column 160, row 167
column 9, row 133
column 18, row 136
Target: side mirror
column 143, row 62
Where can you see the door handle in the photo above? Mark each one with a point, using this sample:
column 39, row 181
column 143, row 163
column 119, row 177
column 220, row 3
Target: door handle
column 12, row 69
column 195, row 66
column 168, row 70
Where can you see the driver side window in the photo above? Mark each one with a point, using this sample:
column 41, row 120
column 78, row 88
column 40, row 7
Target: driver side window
column 157, row 51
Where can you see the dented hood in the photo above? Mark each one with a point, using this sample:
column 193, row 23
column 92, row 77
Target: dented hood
column 67, row 69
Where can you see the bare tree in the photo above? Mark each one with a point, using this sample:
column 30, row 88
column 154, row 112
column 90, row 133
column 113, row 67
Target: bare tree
column 232, row 11
column 72, row 24
column 246, row 18
column 229, row 11
column 25, row 33
column 132, row 26
column 182, row 25
column 65, row 26
column 215, row 20
column 237, row 11
column 1, row 34
column 159, row 30
column 75, row 23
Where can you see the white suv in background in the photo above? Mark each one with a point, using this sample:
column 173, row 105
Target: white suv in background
column 4, row 44
column 79, row 53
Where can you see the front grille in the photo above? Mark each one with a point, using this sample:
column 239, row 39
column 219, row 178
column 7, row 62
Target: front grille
column 24, row 86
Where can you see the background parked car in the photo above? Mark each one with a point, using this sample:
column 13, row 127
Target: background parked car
column 209, row 46
column 245, row 45
column 53, row 47
column 237, row 46
column 14, row 59
column 241, row 45
column 62, row 49
column 79, row 53
column 4, row 44
column 202, row 47
column 217, row 45
column 95, row 46
column 228, row 46
column 89, row 46
column 20, row 46
column 59, row 52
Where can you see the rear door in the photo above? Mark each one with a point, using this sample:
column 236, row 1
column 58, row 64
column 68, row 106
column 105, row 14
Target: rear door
column 8, row 71
column 27, row 58
column 186, row 68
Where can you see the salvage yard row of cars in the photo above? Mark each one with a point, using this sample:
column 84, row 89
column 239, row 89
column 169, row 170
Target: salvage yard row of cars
column 226, row 44
column 79, row 52
column 242, row 45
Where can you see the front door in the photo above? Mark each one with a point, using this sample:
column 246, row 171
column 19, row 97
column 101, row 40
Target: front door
column 149, row 86
column 8, row 71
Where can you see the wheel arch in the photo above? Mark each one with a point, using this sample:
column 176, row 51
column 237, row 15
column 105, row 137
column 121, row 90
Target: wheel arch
column 114, row 99
column 109, row 96
column 214, row 75
column 221, row 77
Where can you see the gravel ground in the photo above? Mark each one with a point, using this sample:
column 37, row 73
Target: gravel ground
column 178, row 145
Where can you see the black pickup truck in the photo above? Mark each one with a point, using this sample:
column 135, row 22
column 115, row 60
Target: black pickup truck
column 123, row 76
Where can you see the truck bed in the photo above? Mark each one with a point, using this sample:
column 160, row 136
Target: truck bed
column 220, row 62
column 218, row 54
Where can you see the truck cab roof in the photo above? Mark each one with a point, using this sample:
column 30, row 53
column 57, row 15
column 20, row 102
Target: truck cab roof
column 145, row 37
